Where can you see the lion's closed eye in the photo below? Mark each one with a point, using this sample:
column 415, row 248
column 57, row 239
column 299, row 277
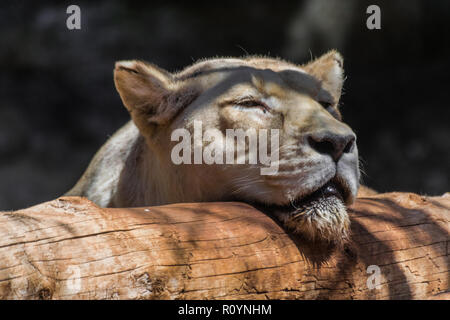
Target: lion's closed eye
column 331, row 109
column 252, row 103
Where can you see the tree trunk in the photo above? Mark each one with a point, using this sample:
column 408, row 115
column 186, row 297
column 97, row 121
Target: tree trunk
column 71, row 249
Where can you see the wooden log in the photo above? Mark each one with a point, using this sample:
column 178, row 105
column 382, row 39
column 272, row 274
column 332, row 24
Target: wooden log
column 71, row 249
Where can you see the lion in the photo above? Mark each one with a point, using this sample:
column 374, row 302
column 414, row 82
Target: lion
column 318, row 172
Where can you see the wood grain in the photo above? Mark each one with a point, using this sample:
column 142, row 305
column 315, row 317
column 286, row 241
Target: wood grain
column 71, row 249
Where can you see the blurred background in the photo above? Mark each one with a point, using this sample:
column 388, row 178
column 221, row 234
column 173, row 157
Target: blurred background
column 58, row 104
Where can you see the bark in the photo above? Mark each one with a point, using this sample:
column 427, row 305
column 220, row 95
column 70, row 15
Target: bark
column 71, row 249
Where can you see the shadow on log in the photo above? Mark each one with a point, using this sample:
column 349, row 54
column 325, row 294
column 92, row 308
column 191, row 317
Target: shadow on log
column 71, row 249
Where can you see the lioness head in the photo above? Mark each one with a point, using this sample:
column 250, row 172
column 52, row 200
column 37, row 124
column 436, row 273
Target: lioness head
column 317, row 165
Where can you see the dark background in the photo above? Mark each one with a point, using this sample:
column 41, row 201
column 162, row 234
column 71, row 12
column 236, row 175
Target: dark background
column 58, row 104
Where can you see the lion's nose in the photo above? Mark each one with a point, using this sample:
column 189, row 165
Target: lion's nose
column 333, row 144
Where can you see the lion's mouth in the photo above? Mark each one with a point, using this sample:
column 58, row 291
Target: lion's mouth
column 333, row 188
column 320, row 215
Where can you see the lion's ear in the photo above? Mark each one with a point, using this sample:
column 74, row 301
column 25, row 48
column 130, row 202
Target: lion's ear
column 329, row 70
column 149, row 93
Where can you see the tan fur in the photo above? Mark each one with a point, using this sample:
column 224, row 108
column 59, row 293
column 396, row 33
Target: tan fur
column 134, row 167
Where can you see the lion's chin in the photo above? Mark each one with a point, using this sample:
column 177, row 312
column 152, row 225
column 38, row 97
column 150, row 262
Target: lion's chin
column 319, row 219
